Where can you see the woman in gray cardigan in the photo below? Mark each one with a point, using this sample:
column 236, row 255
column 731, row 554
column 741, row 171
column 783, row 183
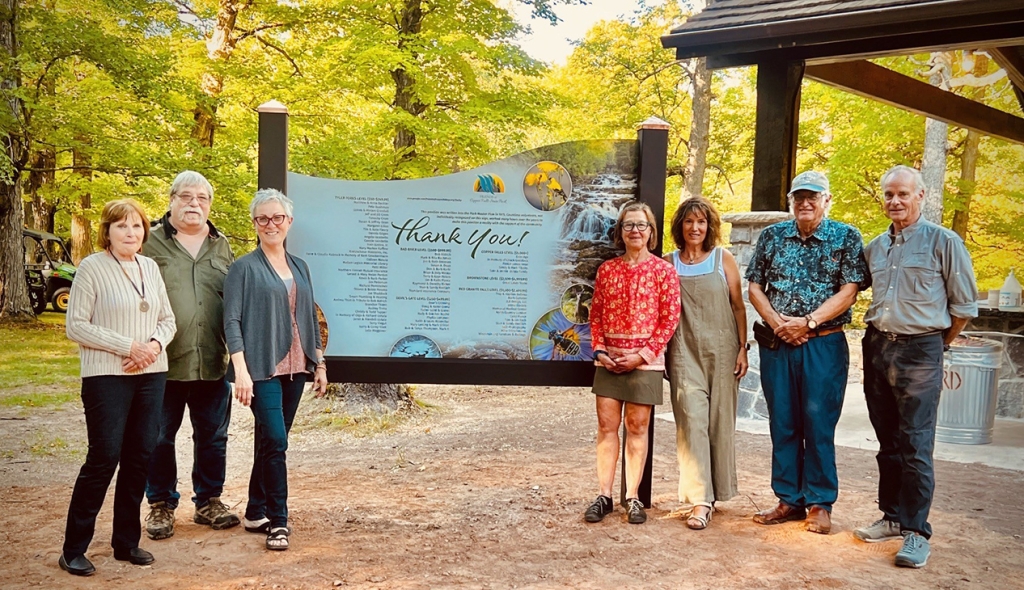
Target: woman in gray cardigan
column 274, row 339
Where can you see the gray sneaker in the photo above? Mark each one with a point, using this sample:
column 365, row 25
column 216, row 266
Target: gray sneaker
column 915, row 551
column 878, row 531
column 216, row 515
column 160, row 522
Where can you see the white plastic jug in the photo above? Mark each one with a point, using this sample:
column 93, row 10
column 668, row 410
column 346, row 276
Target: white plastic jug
column 1009, row 295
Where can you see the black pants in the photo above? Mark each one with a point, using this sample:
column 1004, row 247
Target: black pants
column 902, row 383
column 122, row 419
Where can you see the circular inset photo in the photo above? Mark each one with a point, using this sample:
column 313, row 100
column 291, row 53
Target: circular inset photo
column 416, row 346
column 555, row 338
column 547, row 185
column 321, row 319
column 576, row 303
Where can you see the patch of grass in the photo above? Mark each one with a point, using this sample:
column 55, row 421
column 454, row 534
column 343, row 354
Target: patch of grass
column 50, row 448
column 38, row 354
column 361, row 425
column 39, row 400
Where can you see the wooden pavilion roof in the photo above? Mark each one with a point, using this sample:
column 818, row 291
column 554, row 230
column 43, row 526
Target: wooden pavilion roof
column 744, row 32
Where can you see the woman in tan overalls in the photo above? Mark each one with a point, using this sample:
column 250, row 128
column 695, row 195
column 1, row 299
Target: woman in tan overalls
column 706, row 359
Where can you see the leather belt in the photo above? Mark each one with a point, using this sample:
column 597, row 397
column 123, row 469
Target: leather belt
column 894, row 337
column 825, row 332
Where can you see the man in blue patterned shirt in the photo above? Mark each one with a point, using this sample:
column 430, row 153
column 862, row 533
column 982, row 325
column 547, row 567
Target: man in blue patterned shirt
column 804, row 277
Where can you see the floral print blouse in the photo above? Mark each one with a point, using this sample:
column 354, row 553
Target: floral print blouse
column 635, row 309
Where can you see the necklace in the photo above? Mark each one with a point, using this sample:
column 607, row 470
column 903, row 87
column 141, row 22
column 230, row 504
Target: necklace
column 143, row 304
column 693, row 258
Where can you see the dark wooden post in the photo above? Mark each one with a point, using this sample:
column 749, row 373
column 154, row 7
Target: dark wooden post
column 778, row 119
column 653, row 139
column 273, row 146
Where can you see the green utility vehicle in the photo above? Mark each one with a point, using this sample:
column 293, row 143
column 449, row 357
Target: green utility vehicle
column 47, row 254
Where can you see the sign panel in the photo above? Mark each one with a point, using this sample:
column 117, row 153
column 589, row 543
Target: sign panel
column 493, row 263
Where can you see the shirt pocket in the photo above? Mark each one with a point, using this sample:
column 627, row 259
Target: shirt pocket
column 216, row 273
column 919, row 278
column 175, row 276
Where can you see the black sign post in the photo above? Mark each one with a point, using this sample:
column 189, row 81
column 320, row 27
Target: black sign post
column 653, row 139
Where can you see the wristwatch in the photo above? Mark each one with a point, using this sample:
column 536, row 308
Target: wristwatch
column 811, row 324
column 746, row 345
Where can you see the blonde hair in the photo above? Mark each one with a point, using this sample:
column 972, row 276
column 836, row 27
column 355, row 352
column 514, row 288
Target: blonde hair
column 652, row 242
column 115, row 211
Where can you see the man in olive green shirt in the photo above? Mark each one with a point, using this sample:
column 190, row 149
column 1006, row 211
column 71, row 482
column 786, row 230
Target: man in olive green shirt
column 194, row 259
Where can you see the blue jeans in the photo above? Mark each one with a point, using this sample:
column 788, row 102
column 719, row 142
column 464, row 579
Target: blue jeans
column 274, row 402
column 121, row 413
column 804, row 387
column 902, row 383
column 209, row 410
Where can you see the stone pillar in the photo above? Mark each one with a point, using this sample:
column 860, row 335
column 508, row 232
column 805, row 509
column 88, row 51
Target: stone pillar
column 746, row 228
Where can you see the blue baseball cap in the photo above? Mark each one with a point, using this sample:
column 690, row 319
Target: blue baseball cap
column 809, row 181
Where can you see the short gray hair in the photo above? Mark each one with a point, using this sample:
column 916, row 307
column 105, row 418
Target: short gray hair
column 914, row 173
column 270, row 195
column 190, row 178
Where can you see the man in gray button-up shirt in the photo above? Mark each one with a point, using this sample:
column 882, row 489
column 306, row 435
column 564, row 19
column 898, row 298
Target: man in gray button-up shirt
column 923, row 294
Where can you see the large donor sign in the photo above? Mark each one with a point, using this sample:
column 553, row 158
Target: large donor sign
column 480, row 277
column 495, row 263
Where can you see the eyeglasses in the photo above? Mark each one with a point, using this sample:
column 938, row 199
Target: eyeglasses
column 814, row 198
column 189, row 199
column 631, row 225
column 264, row 221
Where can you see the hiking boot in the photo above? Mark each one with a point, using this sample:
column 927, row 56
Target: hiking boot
column 160, row 522
column 878, row 531
column 601, row 507
column 635, row 511
column 915, row 551
column 216, row 515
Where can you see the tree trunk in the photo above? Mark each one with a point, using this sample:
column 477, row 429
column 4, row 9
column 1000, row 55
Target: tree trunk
column 410, row 22
column 81, row 226
column 700, row 129
column 219, row 47
column 936, row 146
column 969, row 159
column 14, row 301
column 42, row 174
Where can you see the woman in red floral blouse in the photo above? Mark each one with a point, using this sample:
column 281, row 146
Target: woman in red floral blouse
column 633, row 316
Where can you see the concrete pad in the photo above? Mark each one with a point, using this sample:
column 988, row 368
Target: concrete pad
column 854, row 430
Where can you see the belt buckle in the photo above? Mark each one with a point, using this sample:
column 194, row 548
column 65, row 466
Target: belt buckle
column 891, row 337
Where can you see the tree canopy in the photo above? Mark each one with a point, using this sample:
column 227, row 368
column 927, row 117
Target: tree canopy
column 120, row 95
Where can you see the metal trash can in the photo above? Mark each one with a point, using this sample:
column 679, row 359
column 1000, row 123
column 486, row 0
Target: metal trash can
column 970, row 391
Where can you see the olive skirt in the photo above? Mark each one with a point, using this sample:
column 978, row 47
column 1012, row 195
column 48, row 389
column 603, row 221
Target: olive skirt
column 638, row 387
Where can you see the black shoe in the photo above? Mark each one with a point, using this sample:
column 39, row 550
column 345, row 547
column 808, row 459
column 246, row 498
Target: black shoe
column 135, row 556
column 635, row 511
column 601, row 507
column 79, row 566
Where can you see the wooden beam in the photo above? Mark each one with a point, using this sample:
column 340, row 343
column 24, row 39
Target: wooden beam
column 872, row 81
column 778, row 116
column 1011, row 59
column 896, row 43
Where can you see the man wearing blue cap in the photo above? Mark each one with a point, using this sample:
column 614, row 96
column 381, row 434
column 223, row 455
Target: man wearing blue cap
column 804, row 277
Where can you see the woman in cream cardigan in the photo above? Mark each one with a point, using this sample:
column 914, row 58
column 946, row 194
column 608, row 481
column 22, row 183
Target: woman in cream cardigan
column 121, row 319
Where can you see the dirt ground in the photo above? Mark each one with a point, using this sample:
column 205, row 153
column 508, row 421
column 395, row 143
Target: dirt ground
column 487, row 490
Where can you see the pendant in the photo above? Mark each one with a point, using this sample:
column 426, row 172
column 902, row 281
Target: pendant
column 143, row 306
